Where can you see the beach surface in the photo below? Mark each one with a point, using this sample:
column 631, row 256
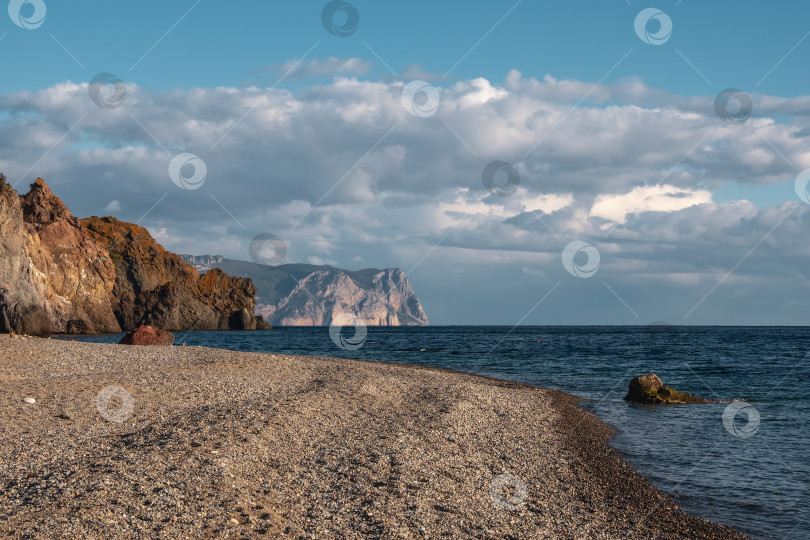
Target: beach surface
column 145, row 442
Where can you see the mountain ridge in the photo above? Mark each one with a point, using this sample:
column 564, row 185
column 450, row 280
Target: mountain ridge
column 314, row 295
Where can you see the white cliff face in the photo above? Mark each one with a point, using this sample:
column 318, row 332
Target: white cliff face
column 323, row 295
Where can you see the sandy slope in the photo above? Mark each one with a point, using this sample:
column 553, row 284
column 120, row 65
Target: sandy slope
column 226, row 444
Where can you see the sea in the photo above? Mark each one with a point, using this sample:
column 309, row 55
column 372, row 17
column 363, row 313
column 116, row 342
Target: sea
column 743, row 461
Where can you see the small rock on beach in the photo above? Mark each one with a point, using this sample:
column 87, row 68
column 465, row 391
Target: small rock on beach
column 148, row 335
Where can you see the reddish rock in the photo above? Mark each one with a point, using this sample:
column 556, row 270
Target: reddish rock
column 148, row 335
column 157, row 287
column 61, row 274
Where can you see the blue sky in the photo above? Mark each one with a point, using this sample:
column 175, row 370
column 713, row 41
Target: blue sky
column 221, row 44
column 616, row 143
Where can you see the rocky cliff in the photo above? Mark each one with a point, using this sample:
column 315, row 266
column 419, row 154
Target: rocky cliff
column 158, row 288
column 53, row 277
column 21, row 309
column 74, row 275
column 62, row 274
column 309, row 295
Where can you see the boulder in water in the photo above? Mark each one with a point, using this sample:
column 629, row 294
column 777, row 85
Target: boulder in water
column 650, row 389
column 641, row 386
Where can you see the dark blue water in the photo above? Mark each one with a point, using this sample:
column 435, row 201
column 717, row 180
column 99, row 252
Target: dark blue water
column 751, row 474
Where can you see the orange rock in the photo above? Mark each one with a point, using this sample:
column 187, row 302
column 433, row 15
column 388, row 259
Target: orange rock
column 157, row 287
column 62, row 274
column 147, row 335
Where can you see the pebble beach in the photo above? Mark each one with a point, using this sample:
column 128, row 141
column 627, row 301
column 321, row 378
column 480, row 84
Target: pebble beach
column 172, row 442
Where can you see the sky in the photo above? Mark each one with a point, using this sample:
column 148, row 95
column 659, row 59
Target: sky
column 525, row 162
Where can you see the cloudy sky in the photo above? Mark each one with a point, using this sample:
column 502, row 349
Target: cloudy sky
column 602, row 162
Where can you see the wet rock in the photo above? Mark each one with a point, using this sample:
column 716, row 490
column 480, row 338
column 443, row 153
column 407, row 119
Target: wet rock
column 641, row 386
column 650, row 389
column 148, row 335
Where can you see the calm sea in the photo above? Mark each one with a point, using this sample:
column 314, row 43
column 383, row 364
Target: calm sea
column 744, row 462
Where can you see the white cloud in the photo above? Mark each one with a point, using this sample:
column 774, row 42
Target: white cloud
column 662, row 198
column 547, row 203
column 343, row 173
column 113, row 206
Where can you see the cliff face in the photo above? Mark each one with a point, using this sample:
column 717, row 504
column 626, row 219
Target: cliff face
column 52, row 276
column 307, row 295
column 21, row 309
column 61, row 274
column 74, row 275
column 320, row 296
column 156, row 287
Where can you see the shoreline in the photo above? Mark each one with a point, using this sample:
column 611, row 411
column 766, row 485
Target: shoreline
column 323, row 446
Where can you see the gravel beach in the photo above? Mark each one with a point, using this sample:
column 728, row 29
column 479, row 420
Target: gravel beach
column 159, row 442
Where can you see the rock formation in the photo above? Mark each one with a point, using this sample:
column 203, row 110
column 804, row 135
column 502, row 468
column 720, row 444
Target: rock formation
column 322, row 295
column 21, row 309
column 51, row 274
column 61, row 274
column 308, row 295
column 158, row 288
column 649, row 389
column 148, row 335
column 76, row 274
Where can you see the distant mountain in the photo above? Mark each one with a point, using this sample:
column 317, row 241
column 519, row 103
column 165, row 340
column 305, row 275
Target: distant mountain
column 310, row 295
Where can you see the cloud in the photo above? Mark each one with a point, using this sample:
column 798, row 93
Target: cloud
column 662, row 198
column 344, row 173
column 415, row 72
column 113, row 206
column 329, row 67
